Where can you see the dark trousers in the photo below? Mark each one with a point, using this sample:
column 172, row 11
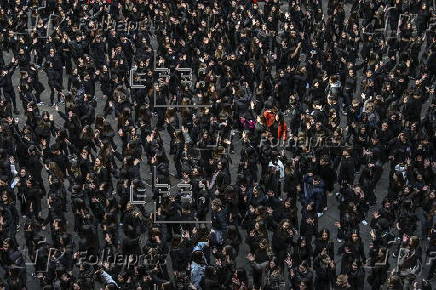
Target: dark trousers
column 10, row 96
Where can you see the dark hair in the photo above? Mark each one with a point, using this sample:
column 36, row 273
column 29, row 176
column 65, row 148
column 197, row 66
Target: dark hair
column 241, row 274
column 197, row 257
column 321, row 232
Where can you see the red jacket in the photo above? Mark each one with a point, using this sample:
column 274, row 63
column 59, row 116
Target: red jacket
column 282, row 128
column 270, row 117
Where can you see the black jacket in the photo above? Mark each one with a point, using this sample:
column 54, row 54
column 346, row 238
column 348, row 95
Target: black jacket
column 219, row 220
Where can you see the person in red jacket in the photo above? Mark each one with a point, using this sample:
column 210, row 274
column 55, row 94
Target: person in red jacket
column 270, row 116
column 276, row 124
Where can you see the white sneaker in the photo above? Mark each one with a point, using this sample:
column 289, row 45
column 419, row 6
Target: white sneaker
column 364, row 222
column 320, row 214
column 339, row 240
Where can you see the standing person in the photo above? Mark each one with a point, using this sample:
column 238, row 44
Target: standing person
column 219, row 222
column 346, row 170
column 282, row 241
column 6, row 84
column 323, row 244
column 34, row 196
column 276, row 124
column 55, row 59
column 380, row 265
column 325, row 271
column 54, row 84
column 348, row 90
column 410, row 260
column 314, row 192
column 37, row 86
column 309, row 221
column 326, row 173
column 356, row 275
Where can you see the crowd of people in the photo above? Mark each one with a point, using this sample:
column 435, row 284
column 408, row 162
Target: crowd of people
column 274, row 115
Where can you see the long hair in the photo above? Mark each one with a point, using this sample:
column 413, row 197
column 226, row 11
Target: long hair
column 56, row 171
column 321, row 232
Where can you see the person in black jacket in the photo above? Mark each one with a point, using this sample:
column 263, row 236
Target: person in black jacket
column 356, row 275
column 58, row 157
column 53, row 82
column 86, row 110
column 6, row 83
column 98, row 51
column 33, row 79
column 325, row 271
column 327, row 174
column 309, row 222
column 55, row 59
column 423, row 18
column 282, row 241
column 346, row 169
column 219, row 222
column 379, row 264
column 368, row 181
column 34, row 196
column 348, row 89
column 34, row 165
column 89, row 84
column 210, row 280
column 323, row 244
